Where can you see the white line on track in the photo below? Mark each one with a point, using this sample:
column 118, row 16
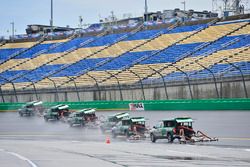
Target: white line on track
column 235, row 138
column 20, row 157
column 75, row 141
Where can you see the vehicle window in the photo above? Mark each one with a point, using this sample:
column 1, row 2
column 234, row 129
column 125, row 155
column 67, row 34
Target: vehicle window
column 159, row 125
column 125, row 122
column 168, row 124
column 140, row 123
column 188, row 124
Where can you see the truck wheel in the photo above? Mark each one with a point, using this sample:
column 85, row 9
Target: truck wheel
column 127, row 134
column 170, row 138
column 21, row 114
column 152, row 138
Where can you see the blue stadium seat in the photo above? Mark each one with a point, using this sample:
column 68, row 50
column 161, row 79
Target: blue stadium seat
column 6, row 53
column 171, row 54
column 80, row 66
column 123, row 60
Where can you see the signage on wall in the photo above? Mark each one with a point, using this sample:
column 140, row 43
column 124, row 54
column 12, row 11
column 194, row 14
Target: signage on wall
column 136, row 106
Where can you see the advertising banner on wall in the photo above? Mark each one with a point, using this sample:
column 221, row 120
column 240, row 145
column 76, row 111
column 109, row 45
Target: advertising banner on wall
column 136, row 106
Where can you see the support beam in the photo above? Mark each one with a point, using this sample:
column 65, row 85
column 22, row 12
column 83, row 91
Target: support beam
column 163, row 79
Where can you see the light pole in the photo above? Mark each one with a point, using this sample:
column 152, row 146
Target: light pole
column 184, row 5
column 146, row 11
column 80, row 21
column 146, row 6
column 13, row 29
column 51, row 16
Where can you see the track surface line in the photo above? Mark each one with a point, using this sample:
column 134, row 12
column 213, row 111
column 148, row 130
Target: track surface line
column 32, row 164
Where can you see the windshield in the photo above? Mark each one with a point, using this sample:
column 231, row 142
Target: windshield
column 125, row 122
column 169, row 123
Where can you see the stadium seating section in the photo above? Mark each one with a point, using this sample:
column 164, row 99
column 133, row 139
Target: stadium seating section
column 196, row 51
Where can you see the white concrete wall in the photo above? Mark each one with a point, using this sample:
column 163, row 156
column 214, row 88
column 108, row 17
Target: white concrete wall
column 201, row 91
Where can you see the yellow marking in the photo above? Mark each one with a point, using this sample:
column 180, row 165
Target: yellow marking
column 10, row 63
column 244, row 30
column 143, row 70
column 55, row 41
column 213, row 32
column 8, row 111
column 18, row 45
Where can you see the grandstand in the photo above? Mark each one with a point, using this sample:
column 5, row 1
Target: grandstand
column 206, row 59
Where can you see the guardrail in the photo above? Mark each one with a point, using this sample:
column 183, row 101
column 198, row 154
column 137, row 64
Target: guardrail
column 150, row 105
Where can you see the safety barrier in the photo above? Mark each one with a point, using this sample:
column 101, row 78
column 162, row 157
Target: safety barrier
column 150, row 105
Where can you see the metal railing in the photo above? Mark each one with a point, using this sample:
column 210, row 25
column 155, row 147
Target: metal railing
column 109, row 60
column 66, row 66
column 160, row 51
column 20, row 75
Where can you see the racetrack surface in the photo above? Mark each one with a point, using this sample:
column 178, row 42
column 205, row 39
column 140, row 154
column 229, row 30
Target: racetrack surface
column 33, row 142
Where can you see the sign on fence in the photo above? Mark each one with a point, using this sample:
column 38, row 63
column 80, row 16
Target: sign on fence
column 136, row 106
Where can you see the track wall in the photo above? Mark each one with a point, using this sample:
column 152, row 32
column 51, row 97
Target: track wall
column 209, row 104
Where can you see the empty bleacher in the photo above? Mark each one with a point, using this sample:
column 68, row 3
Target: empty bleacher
column 165, row 53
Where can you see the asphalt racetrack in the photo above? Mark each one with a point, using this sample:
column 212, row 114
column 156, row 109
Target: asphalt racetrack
column 26, row 142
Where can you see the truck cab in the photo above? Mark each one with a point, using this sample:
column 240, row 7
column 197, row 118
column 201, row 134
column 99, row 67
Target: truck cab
column 171, row 129
column 57, row 112
column 130, row 127
column 81, row 117
column 112, row 120
column 31, row 108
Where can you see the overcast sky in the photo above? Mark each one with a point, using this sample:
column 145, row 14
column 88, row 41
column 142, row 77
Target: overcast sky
column 67, row 12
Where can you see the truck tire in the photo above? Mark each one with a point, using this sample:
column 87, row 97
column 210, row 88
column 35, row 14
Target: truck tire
column 152, row 138
column 170, row 138
column 127, row 134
